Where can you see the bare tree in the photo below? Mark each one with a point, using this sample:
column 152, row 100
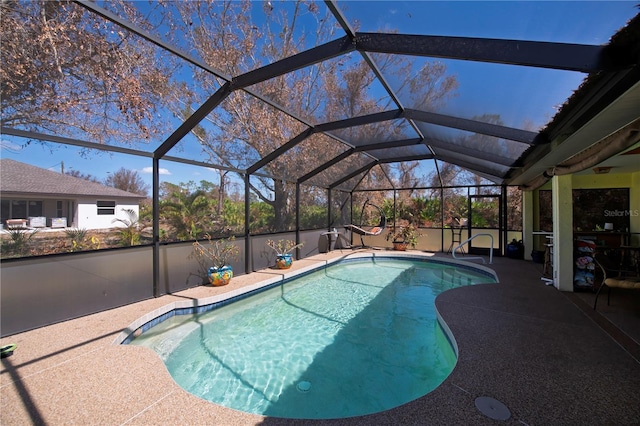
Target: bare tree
column 67, row 71
column 243, row 129
column 127, row 180
column 80, row 175
column 81, row 75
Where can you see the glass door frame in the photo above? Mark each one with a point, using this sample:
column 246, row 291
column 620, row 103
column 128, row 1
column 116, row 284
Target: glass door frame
column 498, row 239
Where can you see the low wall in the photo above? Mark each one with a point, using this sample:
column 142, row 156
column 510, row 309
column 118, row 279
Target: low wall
column 49, row 289
column 263, row 257
column 179, row 270
column 44, row 290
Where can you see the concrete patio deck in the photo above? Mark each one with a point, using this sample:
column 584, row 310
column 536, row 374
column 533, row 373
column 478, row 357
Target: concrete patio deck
column 544, row 354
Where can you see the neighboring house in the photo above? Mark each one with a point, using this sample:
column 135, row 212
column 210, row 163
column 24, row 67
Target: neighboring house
column 44, row 198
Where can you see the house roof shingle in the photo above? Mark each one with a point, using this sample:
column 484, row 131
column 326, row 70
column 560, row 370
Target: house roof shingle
column 17, row 177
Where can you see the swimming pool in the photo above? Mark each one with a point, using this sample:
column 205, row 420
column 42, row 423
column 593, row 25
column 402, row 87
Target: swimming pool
column 354, row 338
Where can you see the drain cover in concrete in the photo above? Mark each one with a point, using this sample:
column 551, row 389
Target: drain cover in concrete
column 492, row 408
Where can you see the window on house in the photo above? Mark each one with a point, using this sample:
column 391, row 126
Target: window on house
column 58, row 208
column 5, row 211
column 21, row 209
column 35, row 208
column 106, row 207
column 18, row 209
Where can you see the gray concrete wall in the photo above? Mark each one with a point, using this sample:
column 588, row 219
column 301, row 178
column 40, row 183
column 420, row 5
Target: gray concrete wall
column 45, row 290
column 264, row 257
column 179, row 270
column 50, row 289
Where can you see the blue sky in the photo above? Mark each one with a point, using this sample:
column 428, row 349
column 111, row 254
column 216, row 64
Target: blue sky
column 534, row 94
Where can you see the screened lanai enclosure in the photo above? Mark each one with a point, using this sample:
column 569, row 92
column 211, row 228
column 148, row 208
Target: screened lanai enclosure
column 131, row 129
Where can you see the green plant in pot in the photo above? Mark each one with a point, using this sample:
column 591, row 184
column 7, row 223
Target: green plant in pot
column 214, row 258
column 403, row 236
column 283, row 249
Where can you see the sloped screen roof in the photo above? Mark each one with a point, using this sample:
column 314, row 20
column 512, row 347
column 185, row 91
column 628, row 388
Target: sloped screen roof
column 321, row 92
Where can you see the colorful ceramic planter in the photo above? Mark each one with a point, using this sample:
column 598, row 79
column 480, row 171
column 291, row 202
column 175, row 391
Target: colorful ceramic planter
column 400, row 245
column 284, row 261
column 220, row 276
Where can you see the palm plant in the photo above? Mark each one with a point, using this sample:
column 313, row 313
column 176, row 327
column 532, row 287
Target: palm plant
column 186, row 212
column 77, row 237
column 130, row 234
column 20, row 240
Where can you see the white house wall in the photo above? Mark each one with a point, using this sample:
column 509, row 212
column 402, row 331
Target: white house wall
column 87, row 213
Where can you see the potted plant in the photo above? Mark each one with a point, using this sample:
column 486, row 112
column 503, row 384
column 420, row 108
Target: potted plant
column 403, row 236
column 214, row 258
column 283, row 249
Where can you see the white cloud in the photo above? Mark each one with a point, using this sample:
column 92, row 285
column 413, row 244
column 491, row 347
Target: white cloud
column 10, row 146
column 161, row 170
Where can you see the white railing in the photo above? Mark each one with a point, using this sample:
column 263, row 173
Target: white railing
column 453, row 253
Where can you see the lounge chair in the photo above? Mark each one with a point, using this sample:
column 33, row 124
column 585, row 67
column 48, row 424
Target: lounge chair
column 370, row 231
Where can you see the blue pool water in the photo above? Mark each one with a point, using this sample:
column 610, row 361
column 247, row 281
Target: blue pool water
column 352, row 339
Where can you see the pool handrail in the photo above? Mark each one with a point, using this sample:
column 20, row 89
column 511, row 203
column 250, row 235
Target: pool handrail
column 453, row 253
